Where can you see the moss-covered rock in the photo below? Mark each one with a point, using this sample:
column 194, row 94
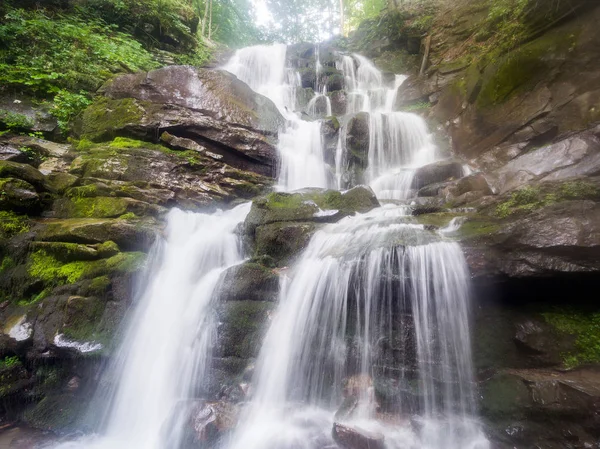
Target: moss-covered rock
column 18, row 195
column 283, row 241
column 243, row 325
column 23, row 172
column 106, row 117
column 102, row 207
column 505, row 395
column 250, row 281
column 314, row 205
column 129, row 234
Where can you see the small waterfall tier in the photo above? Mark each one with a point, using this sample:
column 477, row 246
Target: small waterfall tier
column 166, row 353
column 300, row 146
column 371, row 335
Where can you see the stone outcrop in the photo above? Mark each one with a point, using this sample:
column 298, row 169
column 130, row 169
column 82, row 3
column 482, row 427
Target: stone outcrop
column 211, row 107
column 280, row 224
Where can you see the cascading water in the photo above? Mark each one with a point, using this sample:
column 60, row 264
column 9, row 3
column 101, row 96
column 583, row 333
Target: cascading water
column 300, row 146
column 376, row 310
column 165, row 356
column 372, row 326
column 398, row 141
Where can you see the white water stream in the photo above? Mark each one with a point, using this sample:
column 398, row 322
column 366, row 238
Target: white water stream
column 165, row 356
column 300, row 146
column 399, row 142
column 344, row 311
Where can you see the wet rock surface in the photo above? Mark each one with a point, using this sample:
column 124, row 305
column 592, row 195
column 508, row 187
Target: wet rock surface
column 351, row 437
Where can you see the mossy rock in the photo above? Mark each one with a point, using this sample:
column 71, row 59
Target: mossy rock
column 249, row 281
column 129, row 234
column 242, row 328
column 521, row 68
column 23, row 172
column 58, row 412
column 283, row 241
column 105, row 117
column 505, row 395
column 18, row 195
column 13, row 377
column 60, row 182
column 102, row 207
column 52, row 272
column 309, row 205
column 66, row 252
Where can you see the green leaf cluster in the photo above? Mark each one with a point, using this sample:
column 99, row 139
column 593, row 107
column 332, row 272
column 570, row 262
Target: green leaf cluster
column 45, row 54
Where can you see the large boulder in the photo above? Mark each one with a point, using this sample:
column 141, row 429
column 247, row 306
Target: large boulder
column 211, row 107
column 216, row 93
column 314, row 205
column 437, row 172
column 250, row 281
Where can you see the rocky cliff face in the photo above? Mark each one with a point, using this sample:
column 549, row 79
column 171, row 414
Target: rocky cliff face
column 78, row 220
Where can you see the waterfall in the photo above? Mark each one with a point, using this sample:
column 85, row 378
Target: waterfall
column 166, row 351
column 300, row 146
column 398, row 141
column 342, row 334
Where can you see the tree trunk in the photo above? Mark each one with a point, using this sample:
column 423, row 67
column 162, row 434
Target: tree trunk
column 342, row 32
column 205, row 18
column 210, row 21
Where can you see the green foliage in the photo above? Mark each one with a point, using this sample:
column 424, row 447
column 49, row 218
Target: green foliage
column 44, row 55
column 357, row 11
column 585, row 327
column 15, row 121
column 68, row 105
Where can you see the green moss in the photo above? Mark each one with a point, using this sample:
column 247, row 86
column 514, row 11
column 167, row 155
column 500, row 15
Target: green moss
column 6, row 264
column 334, row 122
column 519, row 69
column 12, row 224
column 417, row 107
column 66, row 252
column 105, row 116
column 243, row 324
column 49, row 269
column 107, row 249
column 85, row 145
column 124, row 142
column 99, row 285
column 9, row 362
column 87, row 191
column 585, row 327
column 529, row 198
column 128, row 262
column 99, row 207
column 578, row 190
column 128, row 216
